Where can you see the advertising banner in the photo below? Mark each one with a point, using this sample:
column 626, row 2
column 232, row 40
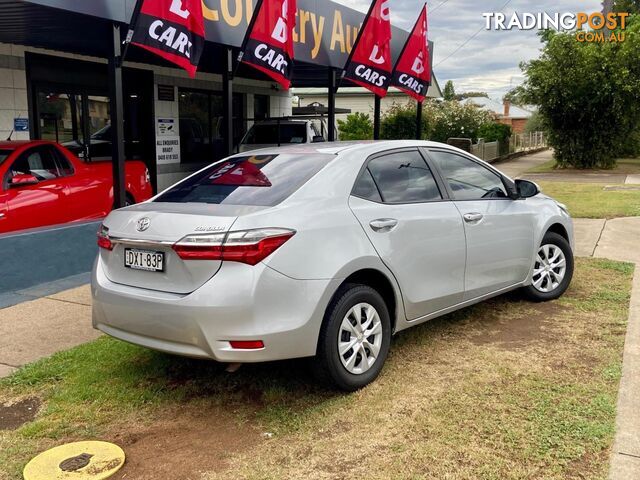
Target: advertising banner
column 412, row 73
column 173, row 30
column 324, row 34
column 269, row 42
column 370, row 62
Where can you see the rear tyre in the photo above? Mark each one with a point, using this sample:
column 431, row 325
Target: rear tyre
column 354, row 338
column 552, row 269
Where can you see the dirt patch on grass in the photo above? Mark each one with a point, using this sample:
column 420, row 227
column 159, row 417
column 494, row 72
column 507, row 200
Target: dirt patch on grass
column 14, row 415
column 181, row 443
column 511, row 332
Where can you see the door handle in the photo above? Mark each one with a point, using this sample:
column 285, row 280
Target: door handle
column 2, row 215
column 383, row 225
column 472, row 217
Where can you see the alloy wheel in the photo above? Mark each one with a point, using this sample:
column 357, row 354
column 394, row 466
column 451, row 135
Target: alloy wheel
column 360, row 338
column 549, row 268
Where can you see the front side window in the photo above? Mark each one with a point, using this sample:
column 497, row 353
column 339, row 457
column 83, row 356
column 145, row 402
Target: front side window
column 38, row 162
column 404, row 177
column 261, row 180
column 467, row 179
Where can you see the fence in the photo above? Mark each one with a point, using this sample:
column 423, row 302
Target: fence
column 519, row 142
column 486, row 150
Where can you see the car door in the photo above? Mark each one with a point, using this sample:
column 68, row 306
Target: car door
column 88, row 191
column 416, row 231
column 499, row 230
column 39, row 204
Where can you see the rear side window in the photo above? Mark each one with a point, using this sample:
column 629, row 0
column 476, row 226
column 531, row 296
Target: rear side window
column 3, row 155
column 261, row 180
column 404, row 177
column 268, row 134
column 366, row 188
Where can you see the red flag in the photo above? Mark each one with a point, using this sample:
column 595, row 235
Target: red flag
column 412, row 73
column 172, row 29
column 369, row 64
column 268, row 44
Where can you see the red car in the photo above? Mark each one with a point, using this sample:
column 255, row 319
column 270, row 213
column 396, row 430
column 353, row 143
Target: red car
column 44, row 184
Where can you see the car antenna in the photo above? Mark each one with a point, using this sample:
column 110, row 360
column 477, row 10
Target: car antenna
column 10, row 135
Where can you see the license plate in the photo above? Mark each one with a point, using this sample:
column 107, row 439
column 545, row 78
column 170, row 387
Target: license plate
column 144, row 260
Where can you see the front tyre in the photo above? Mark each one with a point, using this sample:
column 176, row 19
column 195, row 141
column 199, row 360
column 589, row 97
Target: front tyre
column 354, row 338
column 552, row 269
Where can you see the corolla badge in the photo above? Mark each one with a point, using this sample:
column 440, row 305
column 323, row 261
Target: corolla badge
column 142, row 224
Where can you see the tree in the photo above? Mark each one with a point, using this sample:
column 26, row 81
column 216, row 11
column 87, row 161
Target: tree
column 449, row 91
column 465, row 95
column 357, row 126
column 399, row 122
column 588, row 95
column 627, row 6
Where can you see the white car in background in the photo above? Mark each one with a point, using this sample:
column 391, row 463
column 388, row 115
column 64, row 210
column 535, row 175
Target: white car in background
column 323, row 251
column 273, row 133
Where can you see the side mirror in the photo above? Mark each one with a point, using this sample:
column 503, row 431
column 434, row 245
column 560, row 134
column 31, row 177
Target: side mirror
column 527, row 189
column 317, row 139
column 22, row 180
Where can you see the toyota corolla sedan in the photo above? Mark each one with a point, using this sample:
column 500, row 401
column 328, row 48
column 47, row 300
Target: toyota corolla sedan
column 323, row 251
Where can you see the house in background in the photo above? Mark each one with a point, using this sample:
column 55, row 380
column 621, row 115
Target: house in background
column 357, row 99
column 505, row 112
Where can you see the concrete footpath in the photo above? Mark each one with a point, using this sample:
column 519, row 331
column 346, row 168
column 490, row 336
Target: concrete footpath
column 39, row 328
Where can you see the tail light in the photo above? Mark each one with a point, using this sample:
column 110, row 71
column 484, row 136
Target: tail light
column 246, row 246
column 103, row 238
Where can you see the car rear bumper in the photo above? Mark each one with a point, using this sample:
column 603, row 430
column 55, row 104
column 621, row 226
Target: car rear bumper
column 240, row 302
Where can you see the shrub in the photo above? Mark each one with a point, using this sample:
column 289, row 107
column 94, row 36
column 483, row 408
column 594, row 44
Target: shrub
column 357, row 126
column 494, row 132
column 454, row 120
column 399, row 122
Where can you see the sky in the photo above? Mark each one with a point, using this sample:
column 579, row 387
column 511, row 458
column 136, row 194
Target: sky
column 490, row 61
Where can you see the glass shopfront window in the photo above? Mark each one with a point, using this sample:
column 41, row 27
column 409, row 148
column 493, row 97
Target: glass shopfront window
column 202, row 126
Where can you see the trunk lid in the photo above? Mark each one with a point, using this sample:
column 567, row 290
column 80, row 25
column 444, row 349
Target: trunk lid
column 167, row 223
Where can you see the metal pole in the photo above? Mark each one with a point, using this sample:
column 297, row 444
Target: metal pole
column 331, row 133
column 227, row 99
column 117, row 123
column 376, row 118
column 419, row 121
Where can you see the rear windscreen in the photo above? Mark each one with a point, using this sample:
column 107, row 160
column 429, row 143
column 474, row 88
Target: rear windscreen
column 261, row 180
column 268, row 134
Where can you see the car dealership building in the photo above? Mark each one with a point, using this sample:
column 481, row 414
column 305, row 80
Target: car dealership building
column 57, row 81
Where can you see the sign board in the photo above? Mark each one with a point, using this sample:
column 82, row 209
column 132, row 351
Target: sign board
column 168, row 149
column 167, row 127
column 21, row 124
column 324, row 34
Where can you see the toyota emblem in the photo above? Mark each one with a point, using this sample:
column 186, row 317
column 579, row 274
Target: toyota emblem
column 143, row 224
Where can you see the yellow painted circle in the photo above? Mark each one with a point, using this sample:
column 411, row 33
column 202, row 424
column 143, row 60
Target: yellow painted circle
column 106, row 459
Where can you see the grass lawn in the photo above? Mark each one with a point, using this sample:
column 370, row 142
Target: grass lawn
column 503, row 390
column 590, row 200
column 624, row 166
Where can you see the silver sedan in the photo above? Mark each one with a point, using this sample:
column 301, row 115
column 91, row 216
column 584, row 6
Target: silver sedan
column 323, row 251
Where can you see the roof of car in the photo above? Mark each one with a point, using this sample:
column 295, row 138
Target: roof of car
column 336, row 148
column 13, row 144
